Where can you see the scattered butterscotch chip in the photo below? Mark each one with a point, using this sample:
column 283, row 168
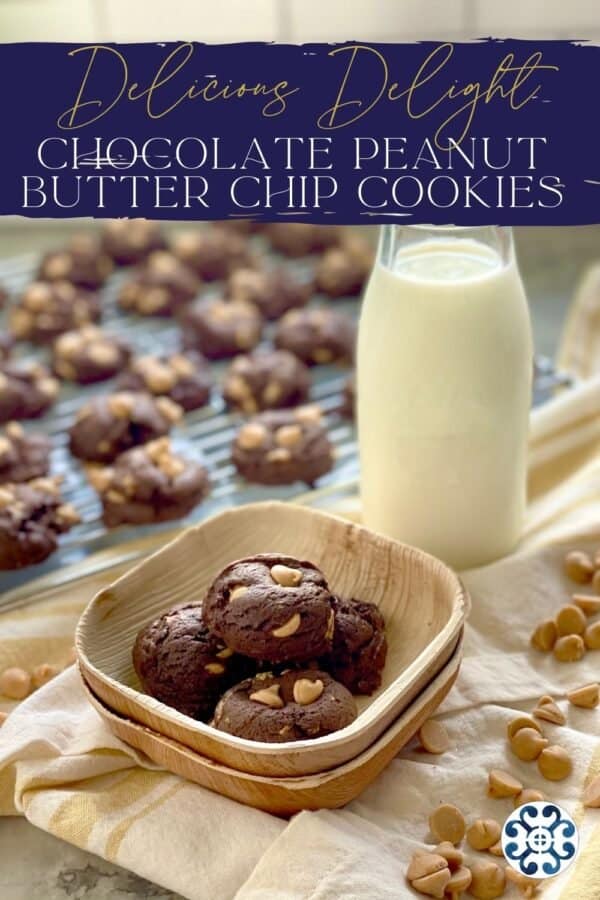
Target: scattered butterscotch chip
column 591, row 636
column 433, row 885
column 544, row 636
column 587, row 696
column 521, row 722
column 488, row 880
column 434, row 737
column 554, row 763
column 44, row 673
column 527, row 744
column 503, row 784
column 483, row 834
column 527, row 886
column 590, row 606
column 496, row 849
column 579, row 567
column 591, row 794
column 570, row 620
column 549, row 710
column 459, row 882
column 447, row 823
column 15, row 683
column 453, row 856
column 528, row 795
column 570, row 648
column 424, row 863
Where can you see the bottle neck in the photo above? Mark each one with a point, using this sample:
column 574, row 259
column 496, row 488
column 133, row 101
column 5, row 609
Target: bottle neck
column 398, row 239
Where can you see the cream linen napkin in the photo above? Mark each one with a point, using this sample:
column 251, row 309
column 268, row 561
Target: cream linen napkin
column 60, row 767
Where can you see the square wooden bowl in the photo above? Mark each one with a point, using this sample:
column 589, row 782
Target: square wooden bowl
column 423, row 602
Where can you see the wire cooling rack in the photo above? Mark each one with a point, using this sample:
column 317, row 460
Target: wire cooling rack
column 205, row 434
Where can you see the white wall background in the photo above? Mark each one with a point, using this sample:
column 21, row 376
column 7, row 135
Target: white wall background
column 294, row 20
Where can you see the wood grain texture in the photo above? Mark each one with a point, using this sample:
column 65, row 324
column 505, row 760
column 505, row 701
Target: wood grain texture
column 286, row 796
column 423, row 602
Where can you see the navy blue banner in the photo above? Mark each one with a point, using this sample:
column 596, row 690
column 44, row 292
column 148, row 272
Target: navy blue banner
column 486, row 132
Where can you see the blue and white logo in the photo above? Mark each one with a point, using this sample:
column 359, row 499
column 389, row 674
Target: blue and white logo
column 540, row 840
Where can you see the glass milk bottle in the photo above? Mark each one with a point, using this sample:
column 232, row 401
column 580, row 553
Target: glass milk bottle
column 444, row 386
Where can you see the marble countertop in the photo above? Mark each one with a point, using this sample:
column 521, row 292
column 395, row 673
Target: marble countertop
column 45, row 868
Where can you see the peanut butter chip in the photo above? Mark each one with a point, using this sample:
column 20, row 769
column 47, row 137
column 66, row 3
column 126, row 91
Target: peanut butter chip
column 238, row 591
column 591, row 636
column 433, row 885
column 309, row 414
column 251, row 436
column 171, row 411
column 521, row 722
column 15, row 683
column 569, row 648
column 591, row 795
column 424, row 863
column 288, row 628
column 286, row 576
column 589, row 606
column 496, row 849
column 279, row 455
column 453, row 856
column 548, row 710
column 307, row 691
column 225, row 653
column 503, row 784
column 459, row 882
column 215, row 668
column 121, row 405
column 587, row 697
column 578, row 567
column 268, row 697
column 44, row 673
column 447, row 823
column 554, row 763
column 488, row 880
column 570, row 620
column 529, row 795
column 483, row 834
column 434, row 737
column 288, row 435
column 527, row 744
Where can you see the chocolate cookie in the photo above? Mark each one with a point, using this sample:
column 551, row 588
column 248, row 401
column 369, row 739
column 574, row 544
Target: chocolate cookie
column 159, row 287
column 266, row 379
column 27, row 390
column 271, row 607
column 83, row 262
column 212, row 252
column 184, row 377
column 220, row 328
column 111, row 424
column 294, row 706
column 317, row 335
column 273, row 292
column 23, row 455
column 46, row 310
column 359, row 647
column 348, row 407
column 182, row 664
column 149, row 484
column 129, row 241
column 32, row 515
column 283, row 446
column 342, row 271
column 299, row 238
column 89, row 355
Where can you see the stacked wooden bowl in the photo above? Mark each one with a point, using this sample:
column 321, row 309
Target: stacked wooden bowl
column 424, row 605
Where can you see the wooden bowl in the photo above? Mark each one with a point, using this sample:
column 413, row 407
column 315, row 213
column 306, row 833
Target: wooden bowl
column 423, row 602
column 286, row 796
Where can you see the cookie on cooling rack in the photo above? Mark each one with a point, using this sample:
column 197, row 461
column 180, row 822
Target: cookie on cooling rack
column 184, row 377
column 160, row 286
column 283, row 446
column 266, row 379
column 27, row 390
column 108, row 425
column 297, row 239
column 182, row 664
column 317, row 335
column 129, row 241
column 89, row 355
column 213, row 252
column 273, row 292
column 221, row 328
column 293, row 706
column 271, row 607
column 23, row 455
column 348, row 407
column 342, row 271
column 82, row 262
column 32, row 516
column 45, row 310
column 149, row 484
